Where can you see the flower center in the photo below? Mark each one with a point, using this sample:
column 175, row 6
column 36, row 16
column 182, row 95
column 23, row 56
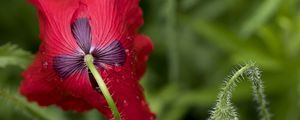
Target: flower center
column 112, row 54
column 88, row 57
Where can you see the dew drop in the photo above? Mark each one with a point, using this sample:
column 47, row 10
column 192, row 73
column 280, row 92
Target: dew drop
column 43, row 52
column 116, row 65
column 143, row 102
column 138, row 97
column 118, row 81
column 152, row 118
column 106, row 66
column 136, row 58
column 125, row 103
column 126, row 50
column 129, row 38
column 45, row 65
column 128, row 53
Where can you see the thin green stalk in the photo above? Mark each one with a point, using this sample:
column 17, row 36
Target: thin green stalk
column 173, row 59
column 253, row 74
column 89, row 60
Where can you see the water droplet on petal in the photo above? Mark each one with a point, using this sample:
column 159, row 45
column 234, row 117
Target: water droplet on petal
column 128, row 54
column 116, row 65
column 118, row 81
column 129, row 38
column 45, row 65
column 138, row 97
column 152, row 118
column 43, row 52
column 125, row 103
column 136, row 58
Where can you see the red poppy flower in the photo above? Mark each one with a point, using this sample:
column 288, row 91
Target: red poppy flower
column 106, row 29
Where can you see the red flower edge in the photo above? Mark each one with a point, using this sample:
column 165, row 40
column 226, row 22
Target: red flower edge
column 108, row 30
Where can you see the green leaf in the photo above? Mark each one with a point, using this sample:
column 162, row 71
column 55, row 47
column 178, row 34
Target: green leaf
column 12, row 55
column 22, row 105
column 215, row 8
column 259, row 16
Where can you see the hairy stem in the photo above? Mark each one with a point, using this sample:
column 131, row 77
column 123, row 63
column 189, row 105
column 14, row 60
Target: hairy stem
column 89, row 62
column 258, row 89
column 224, row 110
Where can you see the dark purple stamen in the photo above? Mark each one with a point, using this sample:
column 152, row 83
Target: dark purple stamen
column 113, row 54
column 81, row 31
column 66, row 65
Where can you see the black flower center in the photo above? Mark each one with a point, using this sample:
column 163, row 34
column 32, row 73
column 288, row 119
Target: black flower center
column 66, row 65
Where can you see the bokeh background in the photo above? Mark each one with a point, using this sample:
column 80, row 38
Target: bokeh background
column 197, row 45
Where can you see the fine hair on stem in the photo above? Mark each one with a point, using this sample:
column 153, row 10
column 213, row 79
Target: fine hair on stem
column 224, row 109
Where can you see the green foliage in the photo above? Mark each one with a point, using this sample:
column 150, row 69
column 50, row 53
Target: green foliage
column 196, row 42
column 261, row 15
column 23, row 106
column 170, row 16
column 12, row 55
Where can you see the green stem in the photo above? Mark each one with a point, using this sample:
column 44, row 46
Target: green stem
column 224, row 110
column 171, row 41
column 89, row 61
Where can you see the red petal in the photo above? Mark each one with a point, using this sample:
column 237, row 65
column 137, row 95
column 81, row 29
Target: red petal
column 55, row 18
column 113, row 20
column 72, row 103
column 42, row 85
column 143, row 47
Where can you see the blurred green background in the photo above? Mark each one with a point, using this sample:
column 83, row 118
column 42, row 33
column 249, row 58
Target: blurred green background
column 197, row 44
